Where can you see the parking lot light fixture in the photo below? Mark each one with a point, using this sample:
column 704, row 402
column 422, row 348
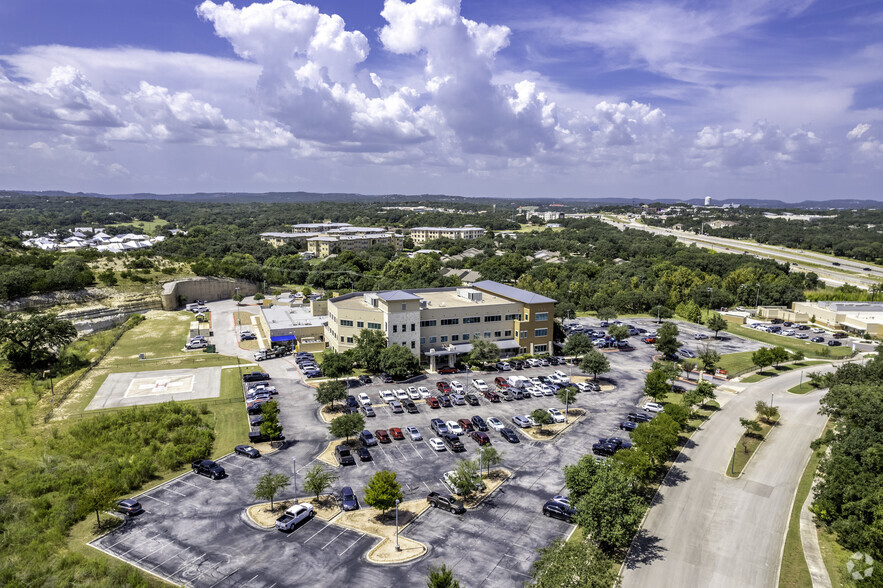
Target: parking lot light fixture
column 294, row 476
column 397, row 526
column 566, row 403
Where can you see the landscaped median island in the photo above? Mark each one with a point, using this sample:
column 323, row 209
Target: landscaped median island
column 491, row 480
column 325, row 507
column 756, row 431
column 551, row 431
column 383, row 525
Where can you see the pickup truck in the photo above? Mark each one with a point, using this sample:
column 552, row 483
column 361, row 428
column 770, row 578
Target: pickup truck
column 206, row 467
column 343, row 455
column 449, row 503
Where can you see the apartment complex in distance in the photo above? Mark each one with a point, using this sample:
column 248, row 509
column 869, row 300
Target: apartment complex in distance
column 421, row 235
column 438, row 324
column 324, row 239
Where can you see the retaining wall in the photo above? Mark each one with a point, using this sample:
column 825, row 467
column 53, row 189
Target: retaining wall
column 183, row 291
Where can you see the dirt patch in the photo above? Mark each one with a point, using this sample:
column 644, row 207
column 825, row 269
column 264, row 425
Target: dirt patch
column 373, row 522
column 549, row 432
column 327, row 456
column 329, row 415
column 249, row 345
column 260, row 514
column 266, row 448
column 492, row 481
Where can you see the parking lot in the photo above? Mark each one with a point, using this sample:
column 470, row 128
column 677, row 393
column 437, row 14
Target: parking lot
column 194, row 530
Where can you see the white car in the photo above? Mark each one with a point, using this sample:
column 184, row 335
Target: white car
column 457, row 399
column 583, row 387
column 480, row 385
column 401, row 394
column 536, row 381
column 556, row 379
column 523, row 421
column 536, row 391
column 700, row 336
column 801, row 336
column 495, row 424
column 294, row 515
column 557, row 415
column 387, row 396
column 364, row 400
column 457, row 387
column 413, row 433
column 454, row 428
column 437, row 444
column 653, row 407
column 562, row 375
column 789, row 333
column 818, row 331
column 547, row 390
column 533, row 362
column 413, row 393
column 424, row 392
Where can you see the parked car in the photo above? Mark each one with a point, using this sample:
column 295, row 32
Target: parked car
column 443, row 387
column 683, row 352
column 480, row 385
column 700, row 336
column 444, row 400
column 255, row 377
column 368, row 410
column 129, row 506
column 396, row 433
column 628, row 425
column 495, row 424
column 639, row 417
column 364, row 454
column 492, row 396
column 348, row 500
column 818, row 339
column 382, row 436
column 208, row 468
column 343, row 456
column 834, row 343
column 557, row 415
column 424, row 392
column 457, row 399
column 445, row 502
column 448, row 480
column 654, row 407
column 294, row 516
column 396, row 407
column 558, row 511
column 439, row 427
column 386, row 378
column 454, row 428
column 364, row 399
column 472, row 399
column 509, row 435
column 410, row 407
column 367, row 438
column 840, row 335
column 413, row 433
column 453, row 443
column 365, row 379
column 433, row 402
column 503, row 367
column 480, row 438
column 466, row 425
column 447, row 370
column 247, row 451
column 437, row 444
column 522, row 421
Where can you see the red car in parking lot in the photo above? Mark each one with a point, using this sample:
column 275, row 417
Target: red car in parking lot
column 447, row 370
column 432, row 401
column 501, row 382
column 382, row 436
column 649, row 340
column 491, row 395
column 480, row 438
column 443, row 387
column 466, row 425
column 397, row 433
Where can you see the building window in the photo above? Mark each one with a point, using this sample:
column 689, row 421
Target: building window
column 413, row 327
column 375, row 326
column 497, row 333
column 404, row 306
column 345, row 323
column 360, row 324
column 539, row 348
column 470, row 320
column 427, row 323
column 507, row 334
column 541, row 316
column 422, row 340
column 526, row 317
column 487, row 334
column 432, row 339
column 493, row 318
column 412, row 345
column 444, row 338
column 349, row 339
column 455, row 338
column 540, row 332
column 395, row 328
column 466, row 336
column 523, row 334
column 446, row 322
column 513, row 317
column 404, row 328
column 341, row 338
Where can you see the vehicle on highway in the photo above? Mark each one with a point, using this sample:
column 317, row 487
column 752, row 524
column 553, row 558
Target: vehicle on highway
column 382, row 436
column 294, row 516
column 445, row 502
column 413, row 433
column 247, row 451
column 343, row 456
column 208, row 468
column 348, row 500
column 367, row 438
column 653, row 407
column 558, row 511
column 396, row 433
column 495, row 424
column 437, row 444
column 129, row 506
column 368, row 410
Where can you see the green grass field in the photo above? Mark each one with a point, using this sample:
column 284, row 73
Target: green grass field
column 746, row 448
column 150, row 227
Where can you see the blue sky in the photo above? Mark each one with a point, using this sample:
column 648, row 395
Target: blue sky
column 740, row 98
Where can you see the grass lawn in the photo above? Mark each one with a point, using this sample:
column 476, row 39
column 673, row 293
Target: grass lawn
column 755, row 378
column 836, row 557
column 735, row 362
column 791, row 344
column 151, row 227
column 528, row 228
column 772, row 372
column 802, row 388
column 746, row 448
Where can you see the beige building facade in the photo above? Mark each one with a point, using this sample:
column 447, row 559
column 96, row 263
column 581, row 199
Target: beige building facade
column 854, row 317
column 421, row 235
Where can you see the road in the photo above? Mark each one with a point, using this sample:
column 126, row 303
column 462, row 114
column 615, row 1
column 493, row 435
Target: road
column 706, row 529
column 847, row 271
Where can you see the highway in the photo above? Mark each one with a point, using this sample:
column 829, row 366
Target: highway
column 846, row 271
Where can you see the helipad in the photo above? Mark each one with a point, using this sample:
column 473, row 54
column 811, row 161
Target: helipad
column 134, row 388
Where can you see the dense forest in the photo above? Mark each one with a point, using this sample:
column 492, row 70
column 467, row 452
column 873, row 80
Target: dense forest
column 846, row 233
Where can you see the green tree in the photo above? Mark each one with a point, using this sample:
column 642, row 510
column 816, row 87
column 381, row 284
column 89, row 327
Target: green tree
column 270, row 425
column 678, row 414
column 258, row 297
column 606, row 314
column 594, row 362
column 611, row 511
column 399, row 362
column 667, row 339
column 716, row 323
column 318, row 480
column 656, row 385
column 573, row 564
column 490, row 457
column 464, row 477
column 751, row 427
column 567, row 395
column 331, row 391
column 710, row 358
column 541, row 417
column 657, row 439
column 32, row 342
column 483, row 351
column 577, row 344
column 619, row 332
column 661, row 312
column 636, row 463
column 580, row 476
column 108, row 277
column 767, row 413
column 336, row 365
column 441, row 577
column 369, row 344
column 347, row 425
column 383, row 490
column 269, row 485
column 238, row 298
column 779, row 354
column 688, row 365
column 690, row 311
column 97, row 495
column 762, row 358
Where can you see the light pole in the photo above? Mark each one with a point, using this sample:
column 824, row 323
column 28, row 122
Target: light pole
column 294, row 476
column 51, row 385
column 397, row 526
column 566, row 402
column 757, row 296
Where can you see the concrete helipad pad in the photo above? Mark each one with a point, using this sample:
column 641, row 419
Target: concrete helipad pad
column 135, row 388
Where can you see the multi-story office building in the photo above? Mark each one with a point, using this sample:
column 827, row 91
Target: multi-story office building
column 325, row 245
column 421, row 235
column 318, row 227
column 438, row 324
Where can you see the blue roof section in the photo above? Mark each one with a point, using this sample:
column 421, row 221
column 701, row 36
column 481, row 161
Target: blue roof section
column 511, row 292
column 397, row 295
column 281, row 338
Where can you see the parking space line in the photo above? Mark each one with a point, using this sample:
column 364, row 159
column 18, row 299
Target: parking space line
column 401, row 452
column 414, row 447
column 233, row 465
column 316, row 533
column 224, row 578
column 174, row 491
column 187, row 564
column 137, row 545
column 188, row 483
column 307, row 465
column 170, row 557
column 154, row 498
column 427, row 486
column 359, row 538
column 149, row 554
column 250, row 581
column 335, row 539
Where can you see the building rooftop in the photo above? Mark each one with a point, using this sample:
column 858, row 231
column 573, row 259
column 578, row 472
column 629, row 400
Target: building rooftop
column 320, row 225
column 463, row 228
column 511, row 292
column 397, row 295
column 838, row 306
column 281, row 317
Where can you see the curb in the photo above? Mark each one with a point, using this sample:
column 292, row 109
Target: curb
column 747, row 463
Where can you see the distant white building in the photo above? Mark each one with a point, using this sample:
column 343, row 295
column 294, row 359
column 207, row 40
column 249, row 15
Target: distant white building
column 708, row 201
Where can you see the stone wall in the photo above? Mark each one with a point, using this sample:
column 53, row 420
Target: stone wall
column 189, row 290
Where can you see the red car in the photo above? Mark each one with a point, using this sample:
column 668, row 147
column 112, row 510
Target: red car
column 480, row 438
column 382, row 436
column 447, row 370
column 466, row 425
column 649, row 340
column 492, row 396
column 432, row 401
column 443, row 387
column 501, row 382
column 397, row 434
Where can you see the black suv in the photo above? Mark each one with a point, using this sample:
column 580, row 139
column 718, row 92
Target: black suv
column 206, row 467
column 479, row 423
column 255, row 377
column 559, row 511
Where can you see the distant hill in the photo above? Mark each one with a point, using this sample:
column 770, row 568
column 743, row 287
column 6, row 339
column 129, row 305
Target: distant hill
column 542, row 201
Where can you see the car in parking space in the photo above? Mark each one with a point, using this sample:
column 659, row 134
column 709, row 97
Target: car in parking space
column 480, row 385
column 639, row 417
column 834, row 343
column 364, row 399
column 208, row 468
column 480, row 437
column 396, row 433
column 509, row 435
column 382, row 436
column 129, row 506
column 684, row 352
column 314, row 373
column 410, row 407
column 453, row 443
column 649, row 340
column 501, row 382
column 437, row 444
column 247, row 451
column 256, row 421
column 367, row 438
column 557, row 415
column 608, row 447
column 343, row 456
column 506, row 394
column 802, row 327
column 365, row 379
column 818, row 339
column 352, row 404
column 503, row 367
column 557, row 510
column 247, row 336
column 492, row 396
column 424, row 392
column 348, row 500
column 516, row 364
column 294, row 516
column 840, row 335
column 560, row 499
column 386, row 378
column 522, row 420
column 443, row 387
column 654, row 407
column 478, row 423
column 818, row 331
column 413, row 433
column 448, row 480
column 444, row 400
column 255, row 377
column 628, row 425
column 433, row 402
column 447, row 370
column 583, row 387
column 413, row 393
column 439, row 426
column 466, row 425
column 801, row 336
column 458, row 399
column 454, row 428
column 364, row 454
column 401, row 394
column 789, row 333
column 396, row 407
column 472, row 399
column 387, row 396
column 457, row 387
column 700, row 336
column 495, row 424
column 368, row 411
